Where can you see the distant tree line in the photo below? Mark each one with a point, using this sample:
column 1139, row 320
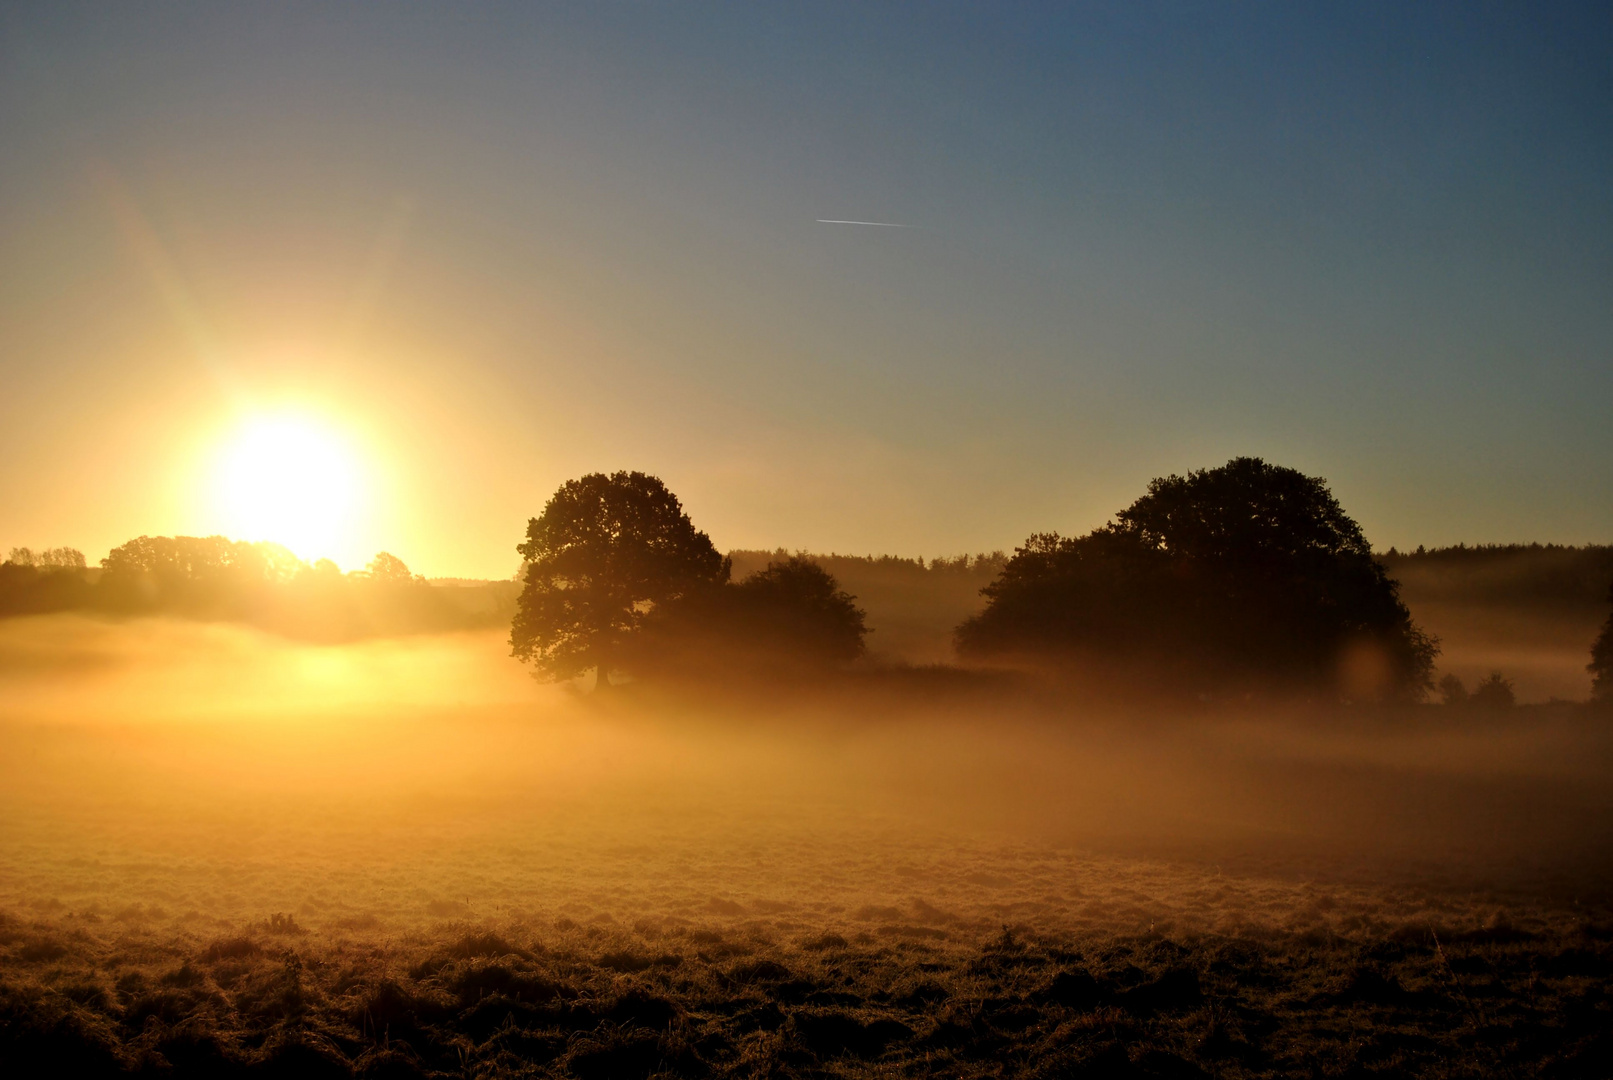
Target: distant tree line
column 35, row 582
column 985, row 565
column 1533, row 580
column 262, row 584
column 60, row 558
column 1541, row 576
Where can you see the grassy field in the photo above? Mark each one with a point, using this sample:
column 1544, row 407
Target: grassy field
column 224, row 853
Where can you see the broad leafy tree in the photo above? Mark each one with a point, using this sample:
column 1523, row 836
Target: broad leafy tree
column 606, row 552
column 1232, row 578
column 796, row 606
column 787, row 620
column 387, row 569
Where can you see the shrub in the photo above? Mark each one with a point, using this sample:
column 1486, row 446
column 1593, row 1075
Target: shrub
column 1493, row 693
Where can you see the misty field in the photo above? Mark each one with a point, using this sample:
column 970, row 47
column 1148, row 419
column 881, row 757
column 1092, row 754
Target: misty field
column 222, row 852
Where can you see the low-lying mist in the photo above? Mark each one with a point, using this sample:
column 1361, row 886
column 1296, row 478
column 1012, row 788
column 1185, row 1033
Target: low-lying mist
column 224, row 851
column 436, row 760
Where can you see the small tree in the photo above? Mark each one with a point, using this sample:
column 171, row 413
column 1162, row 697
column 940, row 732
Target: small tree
column 1601, row 665
column 387, row 569
column 797, row 609
column 606, row 551
column 1452, row 692
column 787, row 621
column 1493, row 693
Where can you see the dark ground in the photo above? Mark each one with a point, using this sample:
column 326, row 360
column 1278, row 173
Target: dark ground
column 918, row 995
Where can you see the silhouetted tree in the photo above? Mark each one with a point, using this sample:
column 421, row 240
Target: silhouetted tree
column 387, row 569
column 796, row 606
column 1452, row 692
column 321, row 570
column 1244, row 575
column 1493, row 693
column 790, row 617
column 607, row 551
column 1601, row 665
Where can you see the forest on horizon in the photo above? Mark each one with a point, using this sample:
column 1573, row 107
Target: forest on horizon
column 1527, row 609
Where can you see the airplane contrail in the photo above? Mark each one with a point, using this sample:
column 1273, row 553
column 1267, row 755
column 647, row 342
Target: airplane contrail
column 881, row 224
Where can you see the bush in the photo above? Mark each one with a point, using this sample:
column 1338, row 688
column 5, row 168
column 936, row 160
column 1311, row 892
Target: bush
column 1493, row 693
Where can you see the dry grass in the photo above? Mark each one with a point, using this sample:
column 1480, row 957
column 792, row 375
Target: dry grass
column 811, row 989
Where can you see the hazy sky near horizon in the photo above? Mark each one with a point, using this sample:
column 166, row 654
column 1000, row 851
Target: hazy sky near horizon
column 493, row 247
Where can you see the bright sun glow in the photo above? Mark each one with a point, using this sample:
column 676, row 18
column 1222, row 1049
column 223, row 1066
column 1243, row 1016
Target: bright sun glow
column 291, row 479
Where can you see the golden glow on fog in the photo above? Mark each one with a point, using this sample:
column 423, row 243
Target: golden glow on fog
column 292, row 479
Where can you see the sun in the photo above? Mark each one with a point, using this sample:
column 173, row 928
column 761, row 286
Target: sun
column 293, row 479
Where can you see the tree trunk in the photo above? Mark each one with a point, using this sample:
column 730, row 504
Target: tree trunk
column 601, row 674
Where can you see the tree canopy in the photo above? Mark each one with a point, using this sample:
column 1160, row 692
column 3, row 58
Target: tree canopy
column 797, row 606
column 605, row 553
column 386, row 568
column 1249, row 574
column 791, row 618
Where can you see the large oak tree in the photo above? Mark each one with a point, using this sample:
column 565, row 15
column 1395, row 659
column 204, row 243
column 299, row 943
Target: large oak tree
column 606, row 552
